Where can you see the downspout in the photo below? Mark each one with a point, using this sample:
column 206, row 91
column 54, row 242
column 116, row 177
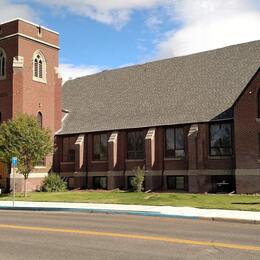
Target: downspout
column 124, row 165
column 86, row 158
column 163, row 164
column 122, row 142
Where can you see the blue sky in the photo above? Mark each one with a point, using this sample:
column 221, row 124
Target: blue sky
column 104, row 34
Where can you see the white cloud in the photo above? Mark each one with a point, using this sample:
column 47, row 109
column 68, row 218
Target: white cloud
column 9, row 11
column 111, row 12
column 153, row 22
column 202, row 24
column 71, row 71
column 207, row 24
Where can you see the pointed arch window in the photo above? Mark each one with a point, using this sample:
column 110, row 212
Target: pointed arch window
column 2, row 64
column 39, row 67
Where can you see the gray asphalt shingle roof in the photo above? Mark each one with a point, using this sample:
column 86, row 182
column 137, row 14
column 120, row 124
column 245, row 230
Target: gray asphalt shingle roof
column 188, row 89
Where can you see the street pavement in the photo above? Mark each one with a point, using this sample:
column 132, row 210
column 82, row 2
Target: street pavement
column 71, row 235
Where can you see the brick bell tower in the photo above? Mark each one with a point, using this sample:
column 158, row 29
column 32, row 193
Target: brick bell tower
column 29, row 82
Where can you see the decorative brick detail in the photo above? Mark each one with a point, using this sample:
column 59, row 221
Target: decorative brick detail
column 150, row 148
column 192, row 146
column 79, row 153
column 112, row 150
column 18, row 62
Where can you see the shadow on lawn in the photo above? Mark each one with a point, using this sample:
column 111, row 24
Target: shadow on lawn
column 4, row 195
column 246, row 203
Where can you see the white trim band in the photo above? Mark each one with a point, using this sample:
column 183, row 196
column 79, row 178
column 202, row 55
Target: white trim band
column 30, row 38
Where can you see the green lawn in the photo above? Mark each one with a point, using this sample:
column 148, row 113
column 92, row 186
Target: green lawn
column 236, row 202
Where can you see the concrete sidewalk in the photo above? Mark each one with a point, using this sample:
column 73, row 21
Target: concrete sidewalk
column 160, row 211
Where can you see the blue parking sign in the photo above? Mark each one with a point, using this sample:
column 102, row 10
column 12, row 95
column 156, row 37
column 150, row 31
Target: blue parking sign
column 14, row 161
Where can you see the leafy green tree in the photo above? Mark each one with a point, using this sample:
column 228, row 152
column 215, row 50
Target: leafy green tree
column 137, row 181
column 24, row 138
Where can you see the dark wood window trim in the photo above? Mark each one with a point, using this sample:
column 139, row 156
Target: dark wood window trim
column 69, row 155
column 95, row 158
column 221, row 147
column 175, row 155
column 135, row 154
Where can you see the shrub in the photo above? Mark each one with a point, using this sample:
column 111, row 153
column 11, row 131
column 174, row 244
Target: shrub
column 137, row 181
column 53, row 183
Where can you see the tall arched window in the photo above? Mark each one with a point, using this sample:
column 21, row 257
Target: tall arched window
column 39, row 119
column 39, row 67
column 2, row 64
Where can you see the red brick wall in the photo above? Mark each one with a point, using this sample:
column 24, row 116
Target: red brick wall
column 9, row 28
column 39, row 96
column 247, row 130
column 32, row 31
column 19, row 93
column 247, row 127
column 11, row 48
column 204, row 161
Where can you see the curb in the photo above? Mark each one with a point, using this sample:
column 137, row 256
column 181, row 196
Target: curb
column 130, row 212
column 232, row 220
column 104, row 211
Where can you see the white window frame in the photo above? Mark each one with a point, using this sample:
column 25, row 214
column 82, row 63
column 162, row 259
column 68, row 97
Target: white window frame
column 38, row 55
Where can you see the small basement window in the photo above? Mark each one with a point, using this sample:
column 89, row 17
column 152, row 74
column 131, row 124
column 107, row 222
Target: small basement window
column 100, row 182
column 176, row 183
column 129, row 185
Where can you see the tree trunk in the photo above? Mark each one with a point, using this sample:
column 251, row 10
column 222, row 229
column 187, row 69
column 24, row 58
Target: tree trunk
column 25, row 187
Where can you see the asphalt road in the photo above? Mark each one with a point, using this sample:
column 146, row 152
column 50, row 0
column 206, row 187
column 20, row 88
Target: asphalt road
column 38, row 235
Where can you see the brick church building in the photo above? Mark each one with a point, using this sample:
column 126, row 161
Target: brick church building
column 192, row 122
column 29, row 83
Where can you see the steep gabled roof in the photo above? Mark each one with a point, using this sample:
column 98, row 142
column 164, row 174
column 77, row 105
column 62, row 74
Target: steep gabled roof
column 188, row 89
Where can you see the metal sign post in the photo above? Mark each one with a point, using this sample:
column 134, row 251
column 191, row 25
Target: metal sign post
column 14, row 164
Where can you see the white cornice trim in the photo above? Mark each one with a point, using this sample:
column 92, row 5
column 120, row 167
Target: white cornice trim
column 30, row 38
column 34, row 24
